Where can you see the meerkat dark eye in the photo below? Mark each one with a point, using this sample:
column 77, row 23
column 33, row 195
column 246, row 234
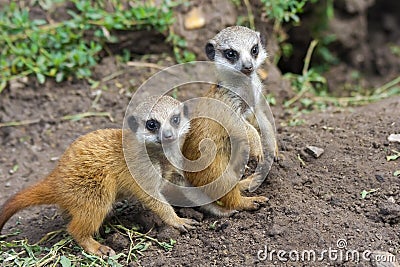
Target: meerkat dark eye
column 231, row 54
column 175, row 120
column 152, row 125
column 254, row 51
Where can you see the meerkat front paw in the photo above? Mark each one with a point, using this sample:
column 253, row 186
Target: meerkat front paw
column 258, row 153
column 184, row 224
column 256, row 147
column 94, row 247
column 253, row 203
column 249, row 182
column 104, row 251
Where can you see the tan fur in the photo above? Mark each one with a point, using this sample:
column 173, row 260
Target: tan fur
column 204, row 128
column 89, row 177
column 232, row 89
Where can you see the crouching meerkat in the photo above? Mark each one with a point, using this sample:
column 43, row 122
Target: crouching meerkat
column 238, row 53
column 93, row 173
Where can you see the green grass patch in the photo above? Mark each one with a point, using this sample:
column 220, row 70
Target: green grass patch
column 285, row 10
column 66, row 252
column 71, row 47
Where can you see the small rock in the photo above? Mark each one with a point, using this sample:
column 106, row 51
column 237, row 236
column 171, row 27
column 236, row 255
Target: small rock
column 36, row 148
column 194, row 19
column 376, row 145
column 379, row 178
column 391, row 200
column 390, row 213
column 394, row 138
column 19, row 83
column 316, row 152
column 275, row 230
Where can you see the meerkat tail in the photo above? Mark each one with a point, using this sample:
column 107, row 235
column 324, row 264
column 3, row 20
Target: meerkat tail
column 37, row 194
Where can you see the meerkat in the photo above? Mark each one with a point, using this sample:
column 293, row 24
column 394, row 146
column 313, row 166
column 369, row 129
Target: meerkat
column 93, row 173
column 236, row 51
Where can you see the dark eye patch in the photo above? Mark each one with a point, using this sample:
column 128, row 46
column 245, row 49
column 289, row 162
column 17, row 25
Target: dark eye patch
column 132, row 123
column 254, row 50
column 231, row 55
column 152, row 125
column 175, row 120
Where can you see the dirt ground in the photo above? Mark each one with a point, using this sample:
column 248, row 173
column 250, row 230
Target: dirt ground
column 314, row 203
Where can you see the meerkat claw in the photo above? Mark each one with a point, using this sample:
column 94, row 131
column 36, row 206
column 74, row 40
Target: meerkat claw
column 184, row 225
column 261, row 200
column 190, row 223
column 232, row 213
column 105, row 252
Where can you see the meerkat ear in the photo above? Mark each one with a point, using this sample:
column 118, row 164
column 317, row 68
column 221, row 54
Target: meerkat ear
column 185, row 110
column 261, row 38
column 133, row 124
column 210, row 49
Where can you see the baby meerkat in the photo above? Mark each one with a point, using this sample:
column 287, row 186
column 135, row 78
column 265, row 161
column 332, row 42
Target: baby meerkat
column 238, row 53
column 93, row 173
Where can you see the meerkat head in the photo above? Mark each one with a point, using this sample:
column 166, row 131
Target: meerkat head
column 237, row 47
column 159, row 120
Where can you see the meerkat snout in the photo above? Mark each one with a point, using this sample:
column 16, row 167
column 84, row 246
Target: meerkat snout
column 247, row 68
column 168, row 135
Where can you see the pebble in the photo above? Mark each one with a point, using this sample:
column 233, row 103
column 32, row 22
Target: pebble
column 379, row 178
column 275, row 230
column 376, row 145
column 394, row 138
column 19, row 83
column 390, row 213
column 391, row 200
column 314, row 151
column 194, row 19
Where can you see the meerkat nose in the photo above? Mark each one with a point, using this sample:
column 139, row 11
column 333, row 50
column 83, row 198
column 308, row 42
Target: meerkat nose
column 167, row 134
column 247, row 68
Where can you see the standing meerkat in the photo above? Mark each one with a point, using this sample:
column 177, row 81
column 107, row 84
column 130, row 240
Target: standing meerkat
column 93, row 173
column 237, row 50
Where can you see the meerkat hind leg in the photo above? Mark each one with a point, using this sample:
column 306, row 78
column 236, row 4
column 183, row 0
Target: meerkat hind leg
column 234, row 200
column 167, row 214
column 83, row 228
column 245, row 183
column 256, row 147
